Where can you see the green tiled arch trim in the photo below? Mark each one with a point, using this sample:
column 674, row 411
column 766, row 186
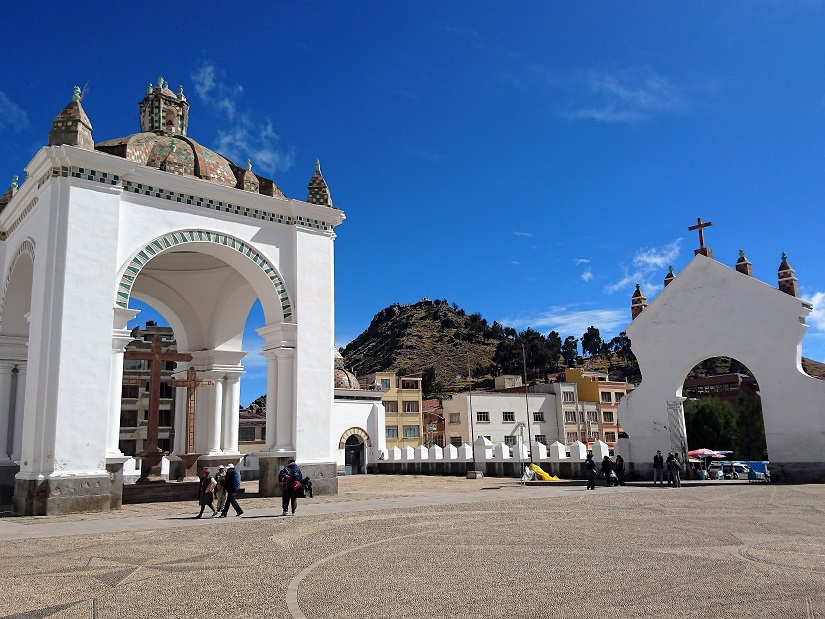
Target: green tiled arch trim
column 168, row 241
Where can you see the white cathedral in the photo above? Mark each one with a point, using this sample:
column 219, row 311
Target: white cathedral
column 158, row 217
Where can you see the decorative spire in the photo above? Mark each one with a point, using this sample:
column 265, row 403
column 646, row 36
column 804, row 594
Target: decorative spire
column 163, row 111
column 247, row 180
column 787, row 278
column 637, row 302
column 743, row 265
column 72, row 126
column 248, row 165
column 669, row 277
column 14, row 181
column 149, row 88
column 318, row 190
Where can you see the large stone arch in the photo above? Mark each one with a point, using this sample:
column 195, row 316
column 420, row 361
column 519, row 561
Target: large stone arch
column 20, row 289
column 250, row 262
column 355, row 431
column 711, row 310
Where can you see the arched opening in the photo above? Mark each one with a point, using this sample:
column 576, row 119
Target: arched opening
column 723, row 413
column 354, row 453
column 201, row 294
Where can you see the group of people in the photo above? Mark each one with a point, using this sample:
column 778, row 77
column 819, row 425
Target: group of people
column 669, row 468
column 225, row 484
column 223, row 487
column 613, row 471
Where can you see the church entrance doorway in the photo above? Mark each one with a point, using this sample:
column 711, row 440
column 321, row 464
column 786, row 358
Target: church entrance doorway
column 354, row 455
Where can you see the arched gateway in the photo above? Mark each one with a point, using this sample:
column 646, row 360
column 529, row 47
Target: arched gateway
column 711, row 310
column 157, row 217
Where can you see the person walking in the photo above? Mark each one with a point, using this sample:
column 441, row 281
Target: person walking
column 590, row 466
column 668, row 470
column 205, row 491
column 658, row 467
column 675, row 470
column 220, row 493
column 619, row 466
column 292, row 484
column 607, row 471
column 231, row 485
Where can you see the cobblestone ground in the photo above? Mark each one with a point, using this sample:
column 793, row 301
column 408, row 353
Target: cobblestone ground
column 434, row 547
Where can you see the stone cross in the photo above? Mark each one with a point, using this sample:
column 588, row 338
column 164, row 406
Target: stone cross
column 155, row 356
column 699, row 226
column 191, row 383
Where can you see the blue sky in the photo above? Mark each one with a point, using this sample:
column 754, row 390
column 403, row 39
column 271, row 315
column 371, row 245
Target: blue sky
column 530, row 161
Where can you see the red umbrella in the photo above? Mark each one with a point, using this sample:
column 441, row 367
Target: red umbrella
column 704, row 453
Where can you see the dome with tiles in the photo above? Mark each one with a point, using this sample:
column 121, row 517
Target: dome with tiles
column 344, row 379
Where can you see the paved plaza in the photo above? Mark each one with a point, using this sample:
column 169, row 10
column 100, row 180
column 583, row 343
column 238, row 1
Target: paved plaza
column 433, row 547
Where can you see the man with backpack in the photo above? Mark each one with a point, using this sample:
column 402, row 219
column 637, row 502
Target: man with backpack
column 231, row 485
column 292, row 483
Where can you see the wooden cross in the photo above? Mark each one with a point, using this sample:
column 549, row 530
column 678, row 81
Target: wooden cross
column 155, row 357
column 699, row 226
column 191, row 383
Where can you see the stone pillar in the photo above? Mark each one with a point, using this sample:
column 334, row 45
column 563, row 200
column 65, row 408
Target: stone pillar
column 231, row 412
column 19, row 401
column 271, row 396
column 787, row 278
column 637, row 302
column 120, row 338
column 743, row 265
column 6, row 413
column 284, row 421
column 213, row 438
column 181, row 404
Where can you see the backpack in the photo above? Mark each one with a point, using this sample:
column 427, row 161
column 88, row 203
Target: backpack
column 284, row 477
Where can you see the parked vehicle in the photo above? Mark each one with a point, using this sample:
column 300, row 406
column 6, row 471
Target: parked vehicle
column 735, row 470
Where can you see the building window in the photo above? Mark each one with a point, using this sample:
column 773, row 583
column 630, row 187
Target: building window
column 607, row 398
column 263, row 434
column 509, row 440
column 385, row 384
column 572, row 437
column 455, row 417
column 392, row 431
column 246, row 435
column 568, row 396
column 538, row 416
column 128, row 419
column 391, row 406
column 610, row 437
column 541, row 438
column 508, row 416
column 607, row 416
column 411, row 432
column 593, row 416
column 411, row 407
column 483, row 416
column 128, row 447
column 165, row 418
column 410, row 384
column 619, row 396
column 130, row 391
column 569, row 416
column 489, row 438
column 456, row 441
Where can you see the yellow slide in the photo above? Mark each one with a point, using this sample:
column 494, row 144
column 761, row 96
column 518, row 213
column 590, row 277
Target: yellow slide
column 541, row 474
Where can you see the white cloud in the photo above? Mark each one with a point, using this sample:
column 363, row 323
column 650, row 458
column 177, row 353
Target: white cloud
column 587, row 275
column 582, row 261
column 817, row 317
column 12, row 116
column 628, row 96
column 214, row 93
column 527, row 234
column 568, row 322
column 646, row 263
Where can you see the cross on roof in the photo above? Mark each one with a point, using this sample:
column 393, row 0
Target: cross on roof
column 699, row 226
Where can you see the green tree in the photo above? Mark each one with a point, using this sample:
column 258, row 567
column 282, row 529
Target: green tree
column 569, row 350
column 711, row 423
column 592, row 341
column 752, row 444
column 428, row 382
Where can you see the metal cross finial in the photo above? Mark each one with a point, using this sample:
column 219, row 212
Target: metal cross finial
column 784, row 255
column 248, row 165
column 317, row 165
column 76, row 94
column 741, row 253
column 14, row 182
column 670, row 269
column 699, row 226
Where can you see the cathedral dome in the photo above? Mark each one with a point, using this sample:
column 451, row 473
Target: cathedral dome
column 172, row 153
column 344, row 379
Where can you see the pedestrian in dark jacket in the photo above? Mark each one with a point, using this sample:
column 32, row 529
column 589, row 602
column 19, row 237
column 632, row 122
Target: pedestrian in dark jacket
column 205, row 491
column 668, row 469
column 590, row 466
column 607, row 469
column 619, row 466
column 291, row 481
column 231, row 485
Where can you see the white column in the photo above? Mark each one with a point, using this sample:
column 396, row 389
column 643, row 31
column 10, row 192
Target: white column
column 181, row 404
column 6, row 414
column 271, row 397
column 231, row 412
column 285, row 411
column 120, row 338
column 216, row 414
column 19, row 402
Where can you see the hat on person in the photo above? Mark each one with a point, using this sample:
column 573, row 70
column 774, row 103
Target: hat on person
column 221, row 467
column 230, row 466
column 291, row 461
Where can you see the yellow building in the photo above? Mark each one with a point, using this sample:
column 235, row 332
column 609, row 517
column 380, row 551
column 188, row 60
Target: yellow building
column 402, row 402
column 596, row 387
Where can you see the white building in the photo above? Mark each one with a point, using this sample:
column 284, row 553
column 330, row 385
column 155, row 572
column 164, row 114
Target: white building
column 158, row 217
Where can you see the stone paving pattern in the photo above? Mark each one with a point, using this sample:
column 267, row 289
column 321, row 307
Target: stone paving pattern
column 434, row 547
